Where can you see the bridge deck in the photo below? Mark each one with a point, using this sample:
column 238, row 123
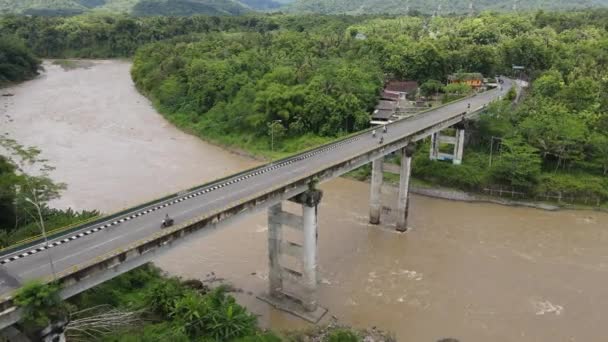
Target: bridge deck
column 97, row 239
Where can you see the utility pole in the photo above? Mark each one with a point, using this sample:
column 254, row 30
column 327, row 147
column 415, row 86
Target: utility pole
column 43, row 229
column 492, row 147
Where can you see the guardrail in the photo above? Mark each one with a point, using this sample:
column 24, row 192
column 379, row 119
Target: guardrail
column 59, row 232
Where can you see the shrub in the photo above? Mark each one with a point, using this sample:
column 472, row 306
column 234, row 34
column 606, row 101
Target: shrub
column 41, row 304
column 343, row 335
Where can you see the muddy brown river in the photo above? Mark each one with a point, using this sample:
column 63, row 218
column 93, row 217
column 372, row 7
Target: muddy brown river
column 475, row 272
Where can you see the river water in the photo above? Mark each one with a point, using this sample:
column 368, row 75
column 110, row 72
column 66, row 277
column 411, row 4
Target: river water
column 475, row 272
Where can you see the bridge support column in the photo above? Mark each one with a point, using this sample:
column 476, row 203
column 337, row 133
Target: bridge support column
column 275, row 238
column 376, row 191
column 404, row 187
column 434, row 152
column 458, row 147
column 295, row 289
column 310, row 214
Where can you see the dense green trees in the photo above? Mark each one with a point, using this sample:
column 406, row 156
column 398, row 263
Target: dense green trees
column 236, row 84
column 103, row 35
column 17, row 62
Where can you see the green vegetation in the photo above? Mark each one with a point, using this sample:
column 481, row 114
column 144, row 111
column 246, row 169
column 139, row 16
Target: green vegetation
column 107, row 36
column 17, row 62
column 24, row 198
column 145, row 306
column 303, row 80
column 429, row 7
column 41, row 304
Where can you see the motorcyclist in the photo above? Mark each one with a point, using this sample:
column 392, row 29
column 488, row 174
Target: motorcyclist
column 384, row 129
column 374, row 133
column 166, row 220
column 381, row 140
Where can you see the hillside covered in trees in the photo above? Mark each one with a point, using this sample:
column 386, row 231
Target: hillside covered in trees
column 136, row 7
column 307, row 87
column 429, row 7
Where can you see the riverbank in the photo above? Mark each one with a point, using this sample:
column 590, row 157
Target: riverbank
column 424, row 188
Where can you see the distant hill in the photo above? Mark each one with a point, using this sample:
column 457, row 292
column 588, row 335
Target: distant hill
column 188, row 7
column 430, row 6
column 136, row 7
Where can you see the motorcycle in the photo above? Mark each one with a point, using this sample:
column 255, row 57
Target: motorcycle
column 167, row 222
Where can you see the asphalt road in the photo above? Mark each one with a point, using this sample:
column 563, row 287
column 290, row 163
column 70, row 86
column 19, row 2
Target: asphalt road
column 95, row 240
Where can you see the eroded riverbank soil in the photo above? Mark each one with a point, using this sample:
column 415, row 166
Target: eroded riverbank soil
column 471, row 271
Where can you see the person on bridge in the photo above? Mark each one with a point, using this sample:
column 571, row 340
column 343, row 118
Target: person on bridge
column 381, row 140
column 384, row 129
column 469, row 106
column 374, row 133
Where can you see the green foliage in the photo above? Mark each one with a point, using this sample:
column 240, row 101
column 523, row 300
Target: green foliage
column 519, row 165
column 459, row 89
column 431, row 87
column 17, row 63
column 24, row 197
column 188, row 7
column 41, row 304
column 176, row 312
column 469, row 176
column 343, row 335
column 311, row 91
column 573, row 185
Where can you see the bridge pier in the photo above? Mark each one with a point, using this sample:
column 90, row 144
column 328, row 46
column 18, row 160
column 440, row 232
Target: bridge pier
column 458, row 147
column 376, row 191
column 295, row 290
column 403, row 201
column 458, row 141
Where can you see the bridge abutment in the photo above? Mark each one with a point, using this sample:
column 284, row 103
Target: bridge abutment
column 376, row 191
column 294, row 290
column 403, row 201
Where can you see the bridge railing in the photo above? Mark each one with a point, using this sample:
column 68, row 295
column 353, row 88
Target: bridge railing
column 59, row 232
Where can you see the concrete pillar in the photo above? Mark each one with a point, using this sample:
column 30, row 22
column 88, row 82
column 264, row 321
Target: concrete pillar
column 458, row 147
column 300, row 284
column 275, row 238
column 434, row 152
column 309, row 214
column 375, row 201
column 404, row 187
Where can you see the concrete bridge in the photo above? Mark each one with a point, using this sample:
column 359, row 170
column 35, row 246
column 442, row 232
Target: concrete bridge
column 90, row 254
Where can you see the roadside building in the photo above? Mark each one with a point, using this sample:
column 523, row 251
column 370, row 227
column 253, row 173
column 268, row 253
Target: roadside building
column 473, row 79
column 382, row 116
column 403, row 89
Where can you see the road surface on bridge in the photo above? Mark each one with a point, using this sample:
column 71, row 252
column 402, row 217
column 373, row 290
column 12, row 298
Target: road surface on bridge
column 94, row 240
